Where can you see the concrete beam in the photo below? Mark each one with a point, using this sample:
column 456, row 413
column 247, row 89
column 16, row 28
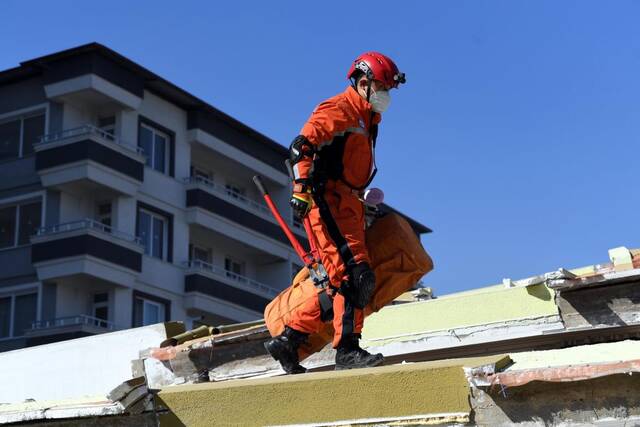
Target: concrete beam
column 389, row 392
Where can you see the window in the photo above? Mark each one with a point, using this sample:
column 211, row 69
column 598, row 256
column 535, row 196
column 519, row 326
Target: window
column 8, row 226
column 17, row 312
column 30, row 216
column 148, row 312
column 101, row 306
column 10, row 139
column 19, row 223
column 234, row 268
column 104, row 213
column 153, row 230
column 17, row 136
column 156, row 147
column 198, row 253
column 5, row 316
column 201, row 174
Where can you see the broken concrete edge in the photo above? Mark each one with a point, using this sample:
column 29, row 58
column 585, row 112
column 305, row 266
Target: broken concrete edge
column 477, row 375
column 567, row 373
column 451, row 418
column 606, row 278
column 126, row 387
column 77, row 408
column 130, row 397
column 168, row 350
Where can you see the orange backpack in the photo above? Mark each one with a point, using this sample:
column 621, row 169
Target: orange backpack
column 398, row 260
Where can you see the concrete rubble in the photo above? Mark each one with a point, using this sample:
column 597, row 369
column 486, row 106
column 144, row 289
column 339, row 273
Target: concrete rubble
column 560, row 348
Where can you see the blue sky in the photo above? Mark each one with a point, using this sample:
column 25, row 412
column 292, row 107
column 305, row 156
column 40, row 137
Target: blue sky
column 516, row 137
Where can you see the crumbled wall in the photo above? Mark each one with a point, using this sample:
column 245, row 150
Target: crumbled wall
column 546, row 403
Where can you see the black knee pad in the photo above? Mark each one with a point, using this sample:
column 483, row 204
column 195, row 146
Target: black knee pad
column 362, row 283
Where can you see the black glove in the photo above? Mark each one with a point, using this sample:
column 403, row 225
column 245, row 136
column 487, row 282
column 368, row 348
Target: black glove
column 301, row 204
column 362, row 283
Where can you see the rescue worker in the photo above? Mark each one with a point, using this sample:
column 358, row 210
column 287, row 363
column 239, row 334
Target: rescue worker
column 333, row 162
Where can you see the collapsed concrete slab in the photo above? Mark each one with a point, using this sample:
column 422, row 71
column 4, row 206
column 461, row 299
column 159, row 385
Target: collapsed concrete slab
column 90, row 366
column 408, row 392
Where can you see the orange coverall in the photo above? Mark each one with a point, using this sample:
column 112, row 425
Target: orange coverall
column 339, row 130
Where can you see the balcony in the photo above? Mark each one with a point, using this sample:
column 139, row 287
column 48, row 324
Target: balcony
column 86, row 247
column 81, row 321
column 225, row 207
column 62, row 328
column 227, row 286
column 87, row 159
column 102, row 85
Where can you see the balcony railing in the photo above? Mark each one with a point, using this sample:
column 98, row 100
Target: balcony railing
column 87, row 224
column 80, row 319
column 210, row 268
column 229, row 194
column 88, row 130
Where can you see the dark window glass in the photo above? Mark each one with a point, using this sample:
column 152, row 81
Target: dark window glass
column 103, row 297
column 104, row 209
column 146, row 142
column 144, row 227
column 33, row 129
column 5, row 316
column 201, row 254
column 137, row 312
column 104, row 214
column 25, row 313
column 101, row 313
column 158, row 237
column 30, row 217
column 159, row 153
column 7, row 227
column 106, row 121
column 234, row 269
column 9, row 139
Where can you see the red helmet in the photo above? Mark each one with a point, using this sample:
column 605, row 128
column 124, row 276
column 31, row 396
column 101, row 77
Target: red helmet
column 378, row 67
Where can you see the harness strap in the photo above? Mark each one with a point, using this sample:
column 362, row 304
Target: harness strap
column 332, row 228
column 326, row 306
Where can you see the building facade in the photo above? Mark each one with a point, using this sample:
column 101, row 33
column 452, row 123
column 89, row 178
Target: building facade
column 126, row 201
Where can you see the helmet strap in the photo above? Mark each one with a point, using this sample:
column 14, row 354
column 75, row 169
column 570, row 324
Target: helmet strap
column 369, row 81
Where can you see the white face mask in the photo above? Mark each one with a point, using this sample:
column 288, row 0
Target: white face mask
column 380, row 100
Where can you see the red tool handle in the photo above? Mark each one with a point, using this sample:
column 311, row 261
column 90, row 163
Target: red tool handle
column 304, row 256
column 312, row 238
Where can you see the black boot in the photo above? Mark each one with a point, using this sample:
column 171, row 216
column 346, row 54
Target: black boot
column 284, row 348
column 349, row 355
